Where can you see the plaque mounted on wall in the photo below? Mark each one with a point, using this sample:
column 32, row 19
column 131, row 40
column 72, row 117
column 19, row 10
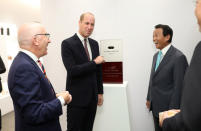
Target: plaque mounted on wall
column 112, row 51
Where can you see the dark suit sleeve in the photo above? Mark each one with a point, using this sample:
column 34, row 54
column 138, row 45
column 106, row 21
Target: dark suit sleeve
column 99, row 76
column 191, row 99
column 30, row 101
column 150, row 80
column 169, row 124
column 174, row 123
column 2, row 66
column 178, row 76
column 190, row 115
column 148, row 93
column 70, row 64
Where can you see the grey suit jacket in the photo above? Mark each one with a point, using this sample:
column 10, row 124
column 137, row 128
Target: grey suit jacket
column 166, row 82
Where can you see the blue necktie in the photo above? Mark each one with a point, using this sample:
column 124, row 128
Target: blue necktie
column 158, row 60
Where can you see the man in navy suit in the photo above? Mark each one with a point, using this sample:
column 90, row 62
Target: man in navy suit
column 167, row 74
column 189, row 116
column 81, row 59
column 35, row 103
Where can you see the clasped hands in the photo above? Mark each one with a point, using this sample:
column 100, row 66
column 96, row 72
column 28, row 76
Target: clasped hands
column 66, row 96
column 167, row 114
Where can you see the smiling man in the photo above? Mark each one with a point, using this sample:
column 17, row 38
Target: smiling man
column 167, row 73
column 36, row 106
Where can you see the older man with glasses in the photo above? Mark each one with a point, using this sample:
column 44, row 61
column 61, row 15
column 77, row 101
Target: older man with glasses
column 37, row 107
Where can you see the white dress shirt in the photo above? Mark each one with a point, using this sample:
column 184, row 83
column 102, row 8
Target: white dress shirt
column 88, row 45
column 164, row 51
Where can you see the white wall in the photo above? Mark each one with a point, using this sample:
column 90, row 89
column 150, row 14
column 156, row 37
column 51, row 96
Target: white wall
column 19, row 11
column 14, row 13
column 130, row 20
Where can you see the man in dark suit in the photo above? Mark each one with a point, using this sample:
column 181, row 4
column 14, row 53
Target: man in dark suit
column 35, row 103
column 189, row 117
column 2, row 70
column 167, row 73
column 81, row 59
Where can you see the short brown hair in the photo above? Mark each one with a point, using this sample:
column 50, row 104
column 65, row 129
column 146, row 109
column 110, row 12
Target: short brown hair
column 82, row 15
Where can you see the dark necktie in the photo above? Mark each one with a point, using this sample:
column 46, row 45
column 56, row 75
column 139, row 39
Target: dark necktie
column 86, row 49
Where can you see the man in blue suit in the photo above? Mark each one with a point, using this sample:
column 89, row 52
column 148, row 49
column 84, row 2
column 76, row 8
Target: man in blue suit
column 35, row 103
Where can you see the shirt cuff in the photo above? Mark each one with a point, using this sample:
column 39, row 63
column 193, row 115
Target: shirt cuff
column 61, row 99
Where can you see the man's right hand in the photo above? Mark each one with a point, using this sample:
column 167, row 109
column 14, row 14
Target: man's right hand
column 66, row 95
column 99, row 60
column 148, row 104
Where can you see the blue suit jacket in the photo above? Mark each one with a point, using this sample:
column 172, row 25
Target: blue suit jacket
column 35, row 104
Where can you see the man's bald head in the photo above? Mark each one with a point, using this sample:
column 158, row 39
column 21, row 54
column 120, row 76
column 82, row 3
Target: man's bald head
column 34, row 38
column 27, row 31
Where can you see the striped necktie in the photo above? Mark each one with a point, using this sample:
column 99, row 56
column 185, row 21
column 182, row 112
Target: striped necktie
column 42, row 67
column 158, row 59
column 44, row 72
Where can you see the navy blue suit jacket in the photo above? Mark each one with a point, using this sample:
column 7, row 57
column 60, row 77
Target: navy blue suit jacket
column 84, row 77
column 35, row 104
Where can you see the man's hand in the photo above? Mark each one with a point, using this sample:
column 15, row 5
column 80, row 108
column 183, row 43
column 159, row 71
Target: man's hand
column 148, row 104
column 66, row 95
column 99, row 60
column 167, row 114
column 100, row 99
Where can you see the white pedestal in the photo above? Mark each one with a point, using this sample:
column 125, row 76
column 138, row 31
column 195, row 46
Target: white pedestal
column 113, row 114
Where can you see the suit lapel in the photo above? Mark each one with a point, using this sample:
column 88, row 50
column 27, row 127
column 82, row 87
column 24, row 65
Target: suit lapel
column 92, row 48
column 38, row 69
column 80, row 47
column 165, row 59
column 153, row 65
column 28, row 58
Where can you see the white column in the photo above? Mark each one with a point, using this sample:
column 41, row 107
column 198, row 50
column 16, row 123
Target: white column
column 113, row 115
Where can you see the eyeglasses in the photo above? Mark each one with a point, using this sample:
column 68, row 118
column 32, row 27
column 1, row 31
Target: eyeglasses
column 46, row 34
column 195, row 1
